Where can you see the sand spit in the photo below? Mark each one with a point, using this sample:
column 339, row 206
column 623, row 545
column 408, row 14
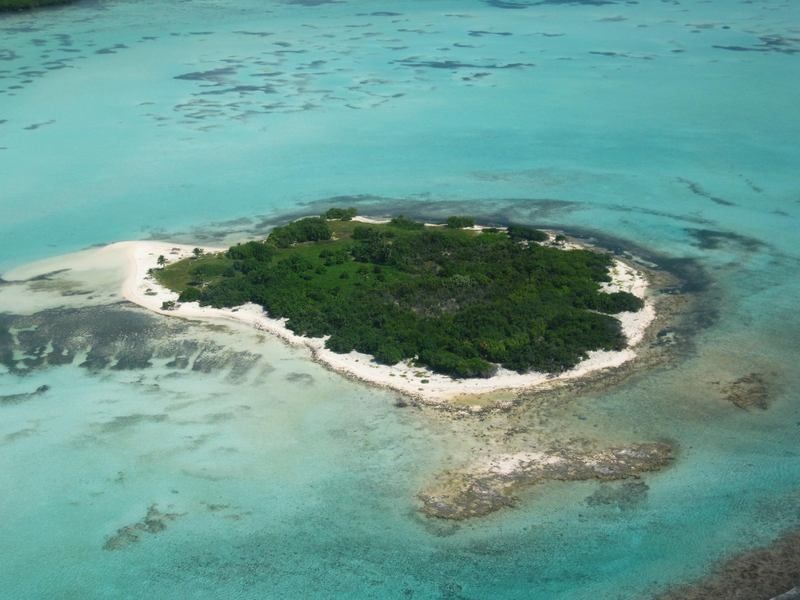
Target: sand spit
column 137, row 259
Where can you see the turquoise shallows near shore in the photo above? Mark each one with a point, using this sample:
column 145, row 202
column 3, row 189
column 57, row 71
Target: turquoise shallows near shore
column 191, row 461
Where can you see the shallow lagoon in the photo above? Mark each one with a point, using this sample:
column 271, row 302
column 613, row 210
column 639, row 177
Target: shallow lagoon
column 670, row 125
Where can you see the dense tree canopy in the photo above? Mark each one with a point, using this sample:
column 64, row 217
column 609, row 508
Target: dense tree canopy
column 457, row 301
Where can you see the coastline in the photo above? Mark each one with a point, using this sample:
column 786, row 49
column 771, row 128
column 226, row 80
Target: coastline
column 416, row 382
column 136, row 258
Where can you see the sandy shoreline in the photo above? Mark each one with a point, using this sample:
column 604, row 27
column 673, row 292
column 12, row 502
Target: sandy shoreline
column 138, row 286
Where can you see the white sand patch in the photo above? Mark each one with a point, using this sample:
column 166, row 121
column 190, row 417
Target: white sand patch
column 508, row 464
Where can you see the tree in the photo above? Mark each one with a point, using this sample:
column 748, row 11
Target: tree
column 161, row 260
column 310, row 229
column 190, row 294
column 522, row 232
column 197, row 252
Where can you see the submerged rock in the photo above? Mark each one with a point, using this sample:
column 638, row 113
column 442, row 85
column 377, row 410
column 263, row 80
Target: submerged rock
column 627, row 496
column 114, row 337
column 10, row 399
column 750, row 391
column 770, row 572
column 488, row 487
column 153, row 522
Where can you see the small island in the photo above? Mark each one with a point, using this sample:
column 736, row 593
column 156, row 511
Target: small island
column 9, row 5
column 431, row 310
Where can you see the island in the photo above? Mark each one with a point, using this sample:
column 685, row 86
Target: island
column 430, row 310
column 9, row 5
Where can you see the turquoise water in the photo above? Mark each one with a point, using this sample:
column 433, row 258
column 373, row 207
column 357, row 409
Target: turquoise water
column 671, row 125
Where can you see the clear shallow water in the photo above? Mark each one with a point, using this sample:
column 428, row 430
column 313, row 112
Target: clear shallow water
column 123, row 120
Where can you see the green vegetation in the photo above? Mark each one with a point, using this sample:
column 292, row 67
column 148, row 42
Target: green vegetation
column 28, row 4
column 313, row 229
column 342, row 214
column 460, row 222
column 522, row 233
column 457, row 301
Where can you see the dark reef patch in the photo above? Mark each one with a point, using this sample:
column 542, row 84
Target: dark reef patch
column 312, row 2
column 481, row 33
column 525, row 4
column 771, row 572
column 116, row 337
column 698, row 190
column 767, row 43
column 750, row 391
column 710, row 239
column 660, row 213
column 498, row 212
column 216, row 76
column 19, row 434
column 627, row 496
column 35, row 126
column 118, row 424
column 153, row 522
column 454, row 64
column 300, row 378
column 10, row 399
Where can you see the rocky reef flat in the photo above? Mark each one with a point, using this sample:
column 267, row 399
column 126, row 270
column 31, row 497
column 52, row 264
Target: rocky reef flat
column 490, row 485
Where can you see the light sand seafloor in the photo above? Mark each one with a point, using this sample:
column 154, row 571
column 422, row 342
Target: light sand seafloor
column 134, row 260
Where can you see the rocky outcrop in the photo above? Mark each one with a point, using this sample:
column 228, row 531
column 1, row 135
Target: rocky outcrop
column 154, row 522
column 489, row 486
column 748, row 392
column 10, row 399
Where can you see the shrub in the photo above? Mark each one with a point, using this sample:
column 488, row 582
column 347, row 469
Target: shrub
column 311, row 229
column 402, row 222
column 522, row 232
column 190, row 294
column 341, row 214
column 257, row 250
column 456, row 222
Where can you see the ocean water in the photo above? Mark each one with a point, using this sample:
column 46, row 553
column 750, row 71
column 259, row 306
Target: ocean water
column 670, row 126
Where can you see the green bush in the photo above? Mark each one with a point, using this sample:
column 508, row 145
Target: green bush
column 460, row 222
column 190, row 294
column 522, row 232
column 402, row 222
column 310, row 229
column 341, row 214
column 256, row 250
